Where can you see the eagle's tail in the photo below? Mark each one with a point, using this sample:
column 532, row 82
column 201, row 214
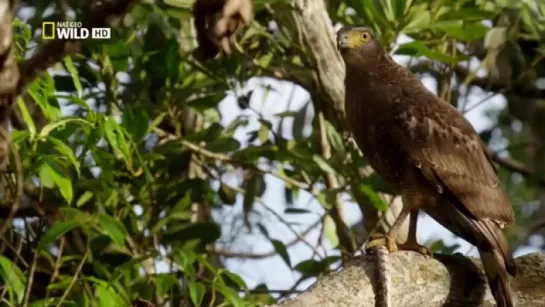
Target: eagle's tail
column 493, row 247
column 497, row 262
column 498, row 280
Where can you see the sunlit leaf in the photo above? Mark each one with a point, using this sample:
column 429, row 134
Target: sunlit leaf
column 13, row 278
column 75, row 75
column 26, row 116
column 197, row 290
column 323, row 164
column 330, row 231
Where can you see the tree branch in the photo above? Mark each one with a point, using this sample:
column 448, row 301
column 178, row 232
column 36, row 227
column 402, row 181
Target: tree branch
column 452, row 280
column 514, row 166
column 9, row 74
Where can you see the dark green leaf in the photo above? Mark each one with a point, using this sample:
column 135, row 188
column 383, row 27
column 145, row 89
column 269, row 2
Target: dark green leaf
column 58, row 229
column 280, row 248
column 51, row 173
column 232, row 278
column 206, row 232
column 299, row 121
column 113, row 228
column 223, row 145
column 296, row 211
column 227, row 194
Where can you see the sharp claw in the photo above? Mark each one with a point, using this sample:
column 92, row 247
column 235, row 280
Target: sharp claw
column 415, row 247
column 382, row 240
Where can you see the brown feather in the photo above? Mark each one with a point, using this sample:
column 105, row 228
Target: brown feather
column 444, row 145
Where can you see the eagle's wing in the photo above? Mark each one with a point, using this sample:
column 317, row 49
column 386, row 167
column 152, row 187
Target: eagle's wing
column 449, row 153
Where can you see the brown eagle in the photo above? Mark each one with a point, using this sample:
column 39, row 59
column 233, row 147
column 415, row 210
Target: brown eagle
column 429, row 153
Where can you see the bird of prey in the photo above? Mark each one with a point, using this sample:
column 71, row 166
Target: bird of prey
column 430, row 155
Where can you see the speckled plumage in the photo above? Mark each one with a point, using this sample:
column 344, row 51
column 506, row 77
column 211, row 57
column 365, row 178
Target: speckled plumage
column 428, row 152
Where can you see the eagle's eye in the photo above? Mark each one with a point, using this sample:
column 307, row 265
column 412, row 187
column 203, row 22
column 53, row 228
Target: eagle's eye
column 365, row 36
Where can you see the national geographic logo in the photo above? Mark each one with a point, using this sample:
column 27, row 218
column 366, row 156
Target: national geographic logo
column 72, row 30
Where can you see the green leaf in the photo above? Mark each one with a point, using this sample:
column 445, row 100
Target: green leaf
column 280, row 248
column 164, row 282
column 84, row 198
column 311, row 267
column 50, row 172
column 234, row 278
column 42, row 90
column 296, row 211
column 223, row 145
column 65, row 151
column 299, row 121
column 330, row 231
column 75, row 75
column 206, row 232
column 263, row 133
column 116, row 137
column 113, row 229
column 266, row 59
column 108, row 296
column 419, row 48
column 13, row 278
column 323, row 164
column 27, row 118
column 250, row 195
column 420, row 18
column 136, row 124
column 231, row 295
column 461, row 30
column 373, row 197
column 227, row 194
column 58, row 229
column 46, row 130
column 18, row 136
column 334, row 137
column 197, row 290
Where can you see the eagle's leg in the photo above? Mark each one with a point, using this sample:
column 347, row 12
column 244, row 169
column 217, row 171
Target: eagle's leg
column 389, row 240
column 412, row 243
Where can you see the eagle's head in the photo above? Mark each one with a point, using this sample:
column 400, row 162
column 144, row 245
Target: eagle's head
column 358, row 45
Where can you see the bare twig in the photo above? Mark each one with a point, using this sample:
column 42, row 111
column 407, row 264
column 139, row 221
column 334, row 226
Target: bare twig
column 30, row 278
column 299, row 236
column 227, row 159
column 74, row 278
column 514, row 166
column 246, row 255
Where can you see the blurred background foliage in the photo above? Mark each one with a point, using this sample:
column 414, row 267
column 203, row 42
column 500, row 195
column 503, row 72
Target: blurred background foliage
column 136, row 187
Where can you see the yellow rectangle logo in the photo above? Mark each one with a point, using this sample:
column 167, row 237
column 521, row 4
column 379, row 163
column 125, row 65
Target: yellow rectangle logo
column 48, row 30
